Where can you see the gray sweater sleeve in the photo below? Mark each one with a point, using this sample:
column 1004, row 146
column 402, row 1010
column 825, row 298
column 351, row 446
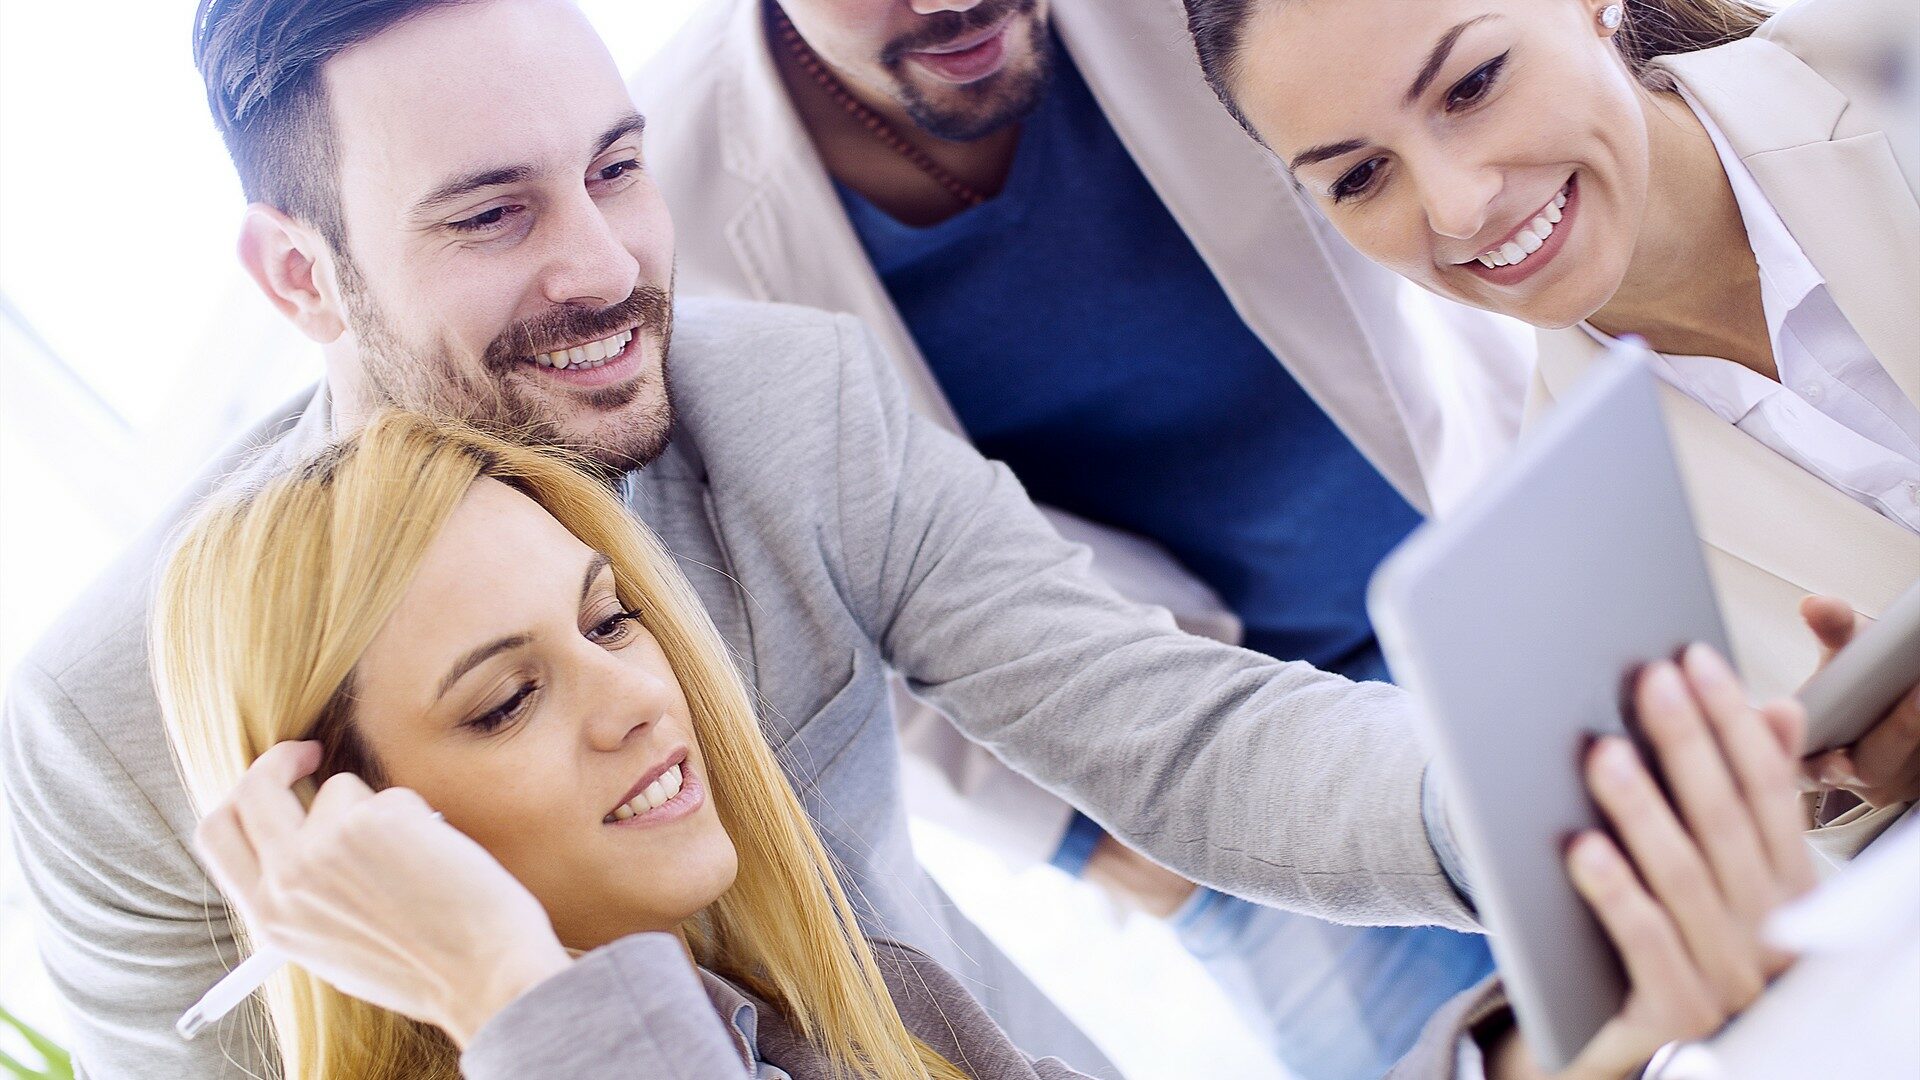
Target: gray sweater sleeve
column 633, row 1009
column 131, row 931
column 1270, row 780
column 1437, row 1055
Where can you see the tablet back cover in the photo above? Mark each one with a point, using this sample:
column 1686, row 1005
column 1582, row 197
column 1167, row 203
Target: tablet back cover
column 1517, row 623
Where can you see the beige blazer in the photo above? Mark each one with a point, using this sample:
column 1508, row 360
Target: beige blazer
column 756, row 216
column 1773, row 532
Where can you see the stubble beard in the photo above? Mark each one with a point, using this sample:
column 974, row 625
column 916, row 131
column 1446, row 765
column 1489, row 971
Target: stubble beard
column 980, row 109
column 636, row 417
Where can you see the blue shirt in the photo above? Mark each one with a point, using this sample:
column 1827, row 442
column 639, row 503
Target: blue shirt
column 1083, row 341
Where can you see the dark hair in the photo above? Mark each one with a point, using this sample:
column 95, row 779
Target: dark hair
column 261, row 61
column 1652, row 28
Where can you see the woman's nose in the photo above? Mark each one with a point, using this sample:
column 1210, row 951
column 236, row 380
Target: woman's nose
column 623, row 701
column 1456, row 200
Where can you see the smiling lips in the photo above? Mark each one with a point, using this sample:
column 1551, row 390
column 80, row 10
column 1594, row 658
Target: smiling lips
column 590, row 355
column 1529, row 238
column 661, row 786
column 967, row 59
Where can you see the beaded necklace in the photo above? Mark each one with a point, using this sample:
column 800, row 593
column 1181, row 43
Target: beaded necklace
column 816, row 70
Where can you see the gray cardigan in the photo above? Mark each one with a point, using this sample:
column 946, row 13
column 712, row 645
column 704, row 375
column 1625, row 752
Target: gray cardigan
column 831, row 534
column 638, row 1009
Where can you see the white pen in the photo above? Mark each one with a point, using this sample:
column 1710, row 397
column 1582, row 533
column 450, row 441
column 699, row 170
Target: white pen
column 238, row 985
column 228, row 993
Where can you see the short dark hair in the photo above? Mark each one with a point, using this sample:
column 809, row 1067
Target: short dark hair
column 261, row 62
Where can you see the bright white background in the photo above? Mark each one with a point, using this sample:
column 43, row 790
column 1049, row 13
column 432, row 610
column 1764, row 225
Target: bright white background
column 131, row 347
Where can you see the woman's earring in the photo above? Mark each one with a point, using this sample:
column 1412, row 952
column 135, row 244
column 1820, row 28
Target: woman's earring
column 1611, row 15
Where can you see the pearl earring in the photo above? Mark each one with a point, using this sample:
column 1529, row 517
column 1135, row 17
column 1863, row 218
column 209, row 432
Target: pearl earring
column 1611, row 15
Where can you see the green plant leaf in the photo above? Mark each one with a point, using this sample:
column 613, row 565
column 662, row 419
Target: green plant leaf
column 59, row 1063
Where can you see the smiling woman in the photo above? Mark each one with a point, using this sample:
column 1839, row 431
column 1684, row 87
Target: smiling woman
column 1717, row 179
column 1478, row 122
column 577, row 718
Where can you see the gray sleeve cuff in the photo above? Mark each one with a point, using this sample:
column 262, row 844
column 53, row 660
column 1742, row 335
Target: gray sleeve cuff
column 1448, row 1049
column 1440, row 834
column 634, row 1009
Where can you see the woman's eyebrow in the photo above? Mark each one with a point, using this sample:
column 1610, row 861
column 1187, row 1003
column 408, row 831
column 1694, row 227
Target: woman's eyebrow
column 596, row 564
column 1437, row 58
column 477, row 657
column 1321, row 153
column 491, row 649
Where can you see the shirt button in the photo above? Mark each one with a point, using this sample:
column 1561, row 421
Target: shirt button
column 1811, row 391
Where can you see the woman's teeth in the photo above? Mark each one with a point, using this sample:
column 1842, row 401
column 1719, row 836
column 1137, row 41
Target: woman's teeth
column 1529, row 239
column 655, row 794
column 590, row 355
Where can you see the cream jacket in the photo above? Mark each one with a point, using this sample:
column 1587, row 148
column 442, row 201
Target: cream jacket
column 1773, row 532
column 1430, row 392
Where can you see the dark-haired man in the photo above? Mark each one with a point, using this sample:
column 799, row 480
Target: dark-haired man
column 1075, row 259
column 448, row 199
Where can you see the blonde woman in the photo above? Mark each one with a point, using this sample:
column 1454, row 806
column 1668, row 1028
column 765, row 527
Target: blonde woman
column 480, row 627
column 1703, row 174
column 423, row 616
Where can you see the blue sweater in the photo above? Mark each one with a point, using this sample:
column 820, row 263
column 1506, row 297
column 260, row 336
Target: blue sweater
column 1083, row 341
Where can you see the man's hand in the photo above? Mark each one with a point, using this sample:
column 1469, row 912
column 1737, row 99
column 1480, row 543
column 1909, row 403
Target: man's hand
column 1684, row 892
column 1883, row 766
column 377, row 896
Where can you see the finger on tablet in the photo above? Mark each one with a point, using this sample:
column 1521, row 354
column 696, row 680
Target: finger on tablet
column 1673, row 714
column 1674, row 870
column 1781, row 820
column 1657, row 963
column 1763, row 777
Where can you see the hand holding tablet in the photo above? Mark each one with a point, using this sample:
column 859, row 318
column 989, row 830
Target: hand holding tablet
column 1518, row 624
column 1863, row 706
column 1684, row 888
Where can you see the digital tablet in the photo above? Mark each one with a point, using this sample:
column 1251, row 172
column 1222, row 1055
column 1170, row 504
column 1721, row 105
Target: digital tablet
column 1866, row 678
column 1517, row 623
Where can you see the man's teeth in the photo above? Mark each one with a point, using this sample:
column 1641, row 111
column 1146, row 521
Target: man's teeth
column 656, row 793
column 1527, row 240
column 590, row 355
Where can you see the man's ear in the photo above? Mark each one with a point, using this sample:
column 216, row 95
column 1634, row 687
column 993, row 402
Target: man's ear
column 293, row 267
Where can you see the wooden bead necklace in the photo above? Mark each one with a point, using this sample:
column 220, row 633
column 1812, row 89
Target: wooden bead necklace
column 817, row 70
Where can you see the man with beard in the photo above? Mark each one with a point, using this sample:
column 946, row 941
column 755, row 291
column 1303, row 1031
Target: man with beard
column 448, row 198
column 1040, row 208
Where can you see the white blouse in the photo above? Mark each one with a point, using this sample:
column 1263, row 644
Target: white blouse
column 1835, row 411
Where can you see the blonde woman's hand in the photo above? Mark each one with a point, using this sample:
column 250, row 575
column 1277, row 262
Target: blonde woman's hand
column 1882, row 767
column 374, row 894
column 1685, row 891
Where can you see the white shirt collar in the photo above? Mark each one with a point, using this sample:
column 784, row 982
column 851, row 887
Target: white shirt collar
column 1787, row 278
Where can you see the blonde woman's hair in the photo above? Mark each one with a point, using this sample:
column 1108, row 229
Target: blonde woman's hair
column 279, row 585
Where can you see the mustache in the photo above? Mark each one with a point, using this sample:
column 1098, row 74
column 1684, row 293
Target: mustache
column 648, row 307
column 942, row 27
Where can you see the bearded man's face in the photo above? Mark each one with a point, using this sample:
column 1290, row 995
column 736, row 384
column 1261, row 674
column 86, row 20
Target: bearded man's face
column 507, row 260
